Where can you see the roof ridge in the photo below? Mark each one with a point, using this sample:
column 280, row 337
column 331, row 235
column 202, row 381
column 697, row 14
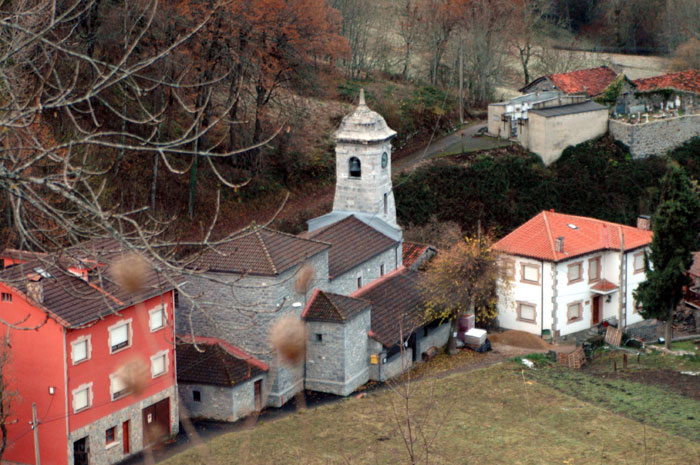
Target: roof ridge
column 265, row 250
column 549, row 234
column 376, row 282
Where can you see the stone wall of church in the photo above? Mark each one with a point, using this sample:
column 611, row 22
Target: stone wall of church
column 369, row 271
column 655, row 137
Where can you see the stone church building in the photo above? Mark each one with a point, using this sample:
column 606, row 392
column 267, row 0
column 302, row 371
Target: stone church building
column 345, row 277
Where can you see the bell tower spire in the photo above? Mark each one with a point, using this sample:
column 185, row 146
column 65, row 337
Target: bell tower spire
column 363, row 165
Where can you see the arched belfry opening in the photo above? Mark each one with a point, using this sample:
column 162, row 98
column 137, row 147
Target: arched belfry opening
column 355, row 167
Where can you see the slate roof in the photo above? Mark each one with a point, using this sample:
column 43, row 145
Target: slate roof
column 352, row 243
column 219, row 363
column 262, row 251
column 336, row 308
column 592, row 81
column 397, row 305
column 536, row 238
column 570, row 109
column 71, row 300
column 687, row 81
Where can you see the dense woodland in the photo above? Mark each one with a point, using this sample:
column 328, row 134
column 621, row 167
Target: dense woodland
column 127, row 116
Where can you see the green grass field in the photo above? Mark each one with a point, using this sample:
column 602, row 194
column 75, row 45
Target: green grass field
column 497, row 415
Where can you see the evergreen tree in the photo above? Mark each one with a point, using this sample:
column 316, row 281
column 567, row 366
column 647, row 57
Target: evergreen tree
column 676, row 225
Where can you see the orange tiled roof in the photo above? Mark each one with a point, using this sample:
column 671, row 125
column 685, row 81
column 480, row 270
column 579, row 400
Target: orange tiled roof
column 688, row 81
column 412, row 252
column 604, row 286
column 536, row 238
column 591, row 81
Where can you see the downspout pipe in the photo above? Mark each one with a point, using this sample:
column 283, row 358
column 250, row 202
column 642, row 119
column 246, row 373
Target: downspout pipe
column 542, row 298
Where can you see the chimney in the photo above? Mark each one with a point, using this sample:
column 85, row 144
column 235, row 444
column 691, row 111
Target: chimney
column 644, row 222
column 559, row 244
column 35, row 291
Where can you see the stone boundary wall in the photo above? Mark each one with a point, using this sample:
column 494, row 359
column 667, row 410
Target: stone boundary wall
column 656, row 137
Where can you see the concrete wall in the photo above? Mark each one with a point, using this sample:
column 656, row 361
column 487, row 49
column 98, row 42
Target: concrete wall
column 219, row 402
column 338, row 364
column 496, row 127
column 100, row 452
column 436, row 337
column 241, row 310
column 655, row 137
column 346, row 283
column 548, row 137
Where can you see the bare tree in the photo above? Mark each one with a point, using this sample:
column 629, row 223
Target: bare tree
column 527, row 28
column 409, row 25
column 359, row 17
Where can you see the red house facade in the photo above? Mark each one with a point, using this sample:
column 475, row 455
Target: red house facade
column 98, row 361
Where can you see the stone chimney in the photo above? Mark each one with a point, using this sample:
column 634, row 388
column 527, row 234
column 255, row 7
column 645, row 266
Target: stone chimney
column 644, row 222
column 35, row 291
column 559, row 244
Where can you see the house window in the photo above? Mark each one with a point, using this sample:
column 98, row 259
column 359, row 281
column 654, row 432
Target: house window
column 355, row 167
column 639, row 262
column 594, row 269
column 319, row 337
column 527, row 312
column 359, row 282
column 6, row 297
column 117, row 387
column 156, row 318
column 574, row 312
column 119, row 336
column 110, row 436
column 508, row 269
column 176, row 298
column 159, row 364
column 82, row 397
column 80, row 349
column 386, row 204
column 196, row 396
column 530, row 274
column 381, row 270
column 574, row 272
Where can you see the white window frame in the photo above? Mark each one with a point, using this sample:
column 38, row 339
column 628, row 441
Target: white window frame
column 634, row 262
column 523, row 267
column 508, row 269
column 129, row 335
column 88, row 349
column 113, row 392
column 572, row 266
column 162, row 309
column 597, row 261
column 166, row 363
column 83, row 387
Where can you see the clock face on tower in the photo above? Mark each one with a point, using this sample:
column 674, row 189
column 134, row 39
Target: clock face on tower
column 385, row 159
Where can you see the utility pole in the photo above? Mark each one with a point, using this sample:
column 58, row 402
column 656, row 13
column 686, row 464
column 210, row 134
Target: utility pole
column 35, row 427
column 622, row 312
column 461, row 82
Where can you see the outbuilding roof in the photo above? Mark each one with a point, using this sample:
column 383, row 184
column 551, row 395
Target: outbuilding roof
column 215, row 362
column 261, row 251
column 581, row 235
column 326, row 306
column 570, row 109
column 686, row 81
column 352, row 243
column 592, row 81
column 397, row 303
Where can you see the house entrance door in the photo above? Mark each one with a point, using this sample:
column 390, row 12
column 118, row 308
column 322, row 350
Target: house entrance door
column 156, row 422
column 258, row 394
column 81, row 451
column 596, row 310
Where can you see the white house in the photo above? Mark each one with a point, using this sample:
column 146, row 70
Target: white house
column 570, row 273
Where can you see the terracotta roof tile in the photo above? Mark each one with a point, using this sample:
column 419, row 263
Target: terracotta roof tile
column 412, row 252
column 604, row 286
column 220, row 364
column 591, row 81
column 326, row 306
column 397, row 305
column 352, row 243
column 536, row 238
column 688, row 81
column 263, row 252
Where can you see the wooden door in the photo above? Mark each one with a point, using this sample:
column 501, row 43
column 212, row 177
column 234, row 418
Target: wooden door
column 258, row 394
column 81, row 451
column 596, row 310
column 156, row 422
column 125, row 437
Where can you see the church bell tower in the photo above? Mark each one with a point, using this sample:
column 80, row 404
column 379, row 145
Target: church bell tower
column 363, row 165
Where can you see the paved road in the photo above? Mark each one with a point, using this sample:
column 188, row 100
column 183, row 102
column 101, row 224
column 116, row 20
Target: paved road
column 443, row 145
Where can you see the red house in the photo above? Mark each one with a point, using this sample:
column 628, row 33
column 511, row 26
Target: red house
column 98, row 361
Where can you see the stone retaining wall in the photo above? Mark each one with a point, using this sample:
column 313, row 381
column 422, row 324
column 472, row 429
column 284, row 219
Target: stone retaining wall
column 656, row 137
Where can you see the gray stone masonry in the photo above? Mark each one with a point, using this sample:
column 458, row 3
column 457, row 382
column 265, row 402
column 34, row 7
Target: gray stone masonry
column 219, row 402
column 337, row 355
column 346, row 283
column 242, row 309
column 436, row 337
column 395, row 365
column 655, row 137
column 100, row 452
